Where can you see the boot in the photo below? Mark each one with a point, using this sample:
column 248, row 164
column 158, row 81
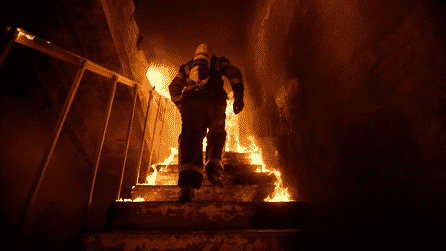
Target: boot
column 186, row 194
column 214, row 169
column 214, row 150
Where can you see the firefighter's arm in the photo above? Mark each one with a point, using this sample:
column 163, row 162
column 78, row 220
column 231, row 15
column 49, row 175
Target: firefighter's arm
column 177, row 85
column 234, row 75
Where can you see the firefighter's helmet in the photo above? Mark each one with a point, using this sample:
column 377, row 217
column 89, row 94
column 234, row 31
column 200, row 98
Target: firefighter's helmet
column 201, row 65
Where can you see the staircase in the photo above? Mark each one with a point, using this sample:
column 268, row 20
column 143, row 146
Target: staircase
column 231, row 216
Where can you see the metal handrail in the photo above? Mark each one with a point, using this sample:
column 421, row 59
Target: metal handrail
column 17, row 35
column 27, row 39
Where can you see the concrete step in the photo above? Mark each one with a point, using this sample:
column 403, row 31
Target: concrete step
column 191, row 216
column 252, row 178
column 235, row 193
column 233, row 240
column 229, row 168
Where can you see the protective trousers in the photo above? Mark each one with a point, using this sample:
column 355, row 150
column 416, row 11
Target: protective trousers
column 197, row 116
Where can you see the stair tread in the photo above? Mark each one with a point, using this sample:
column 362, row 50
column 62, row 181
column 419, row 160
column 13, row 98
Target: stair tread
column 229, row 168
column 234, row 192
column 245, row 239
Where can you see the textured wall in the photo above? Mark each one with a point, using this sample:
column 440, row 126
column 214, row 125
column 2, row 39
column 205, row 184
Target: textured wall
column 352, row 97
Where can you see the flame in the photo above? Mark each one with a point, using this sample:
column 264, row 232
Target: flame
column 280, row 193
column 173, row 151
column 255, row 155
column 139, row 199
column 150, row 180
column 30, row 37
column 160, row 76
column 231, row 126
column 205, row 141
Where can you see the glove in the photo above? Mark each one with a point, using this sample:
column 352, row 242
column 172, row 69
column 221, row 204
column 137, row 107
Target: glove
column 238, row 103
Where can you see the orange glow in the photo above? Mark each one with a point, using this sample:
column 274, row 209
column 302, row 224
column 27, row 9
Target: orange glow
column 160, row 76
column 150, row 180
column 231, row 127
column 233, row 144
column 30, row 37
column 139, row 199
column 173, row 151
column 280, row 193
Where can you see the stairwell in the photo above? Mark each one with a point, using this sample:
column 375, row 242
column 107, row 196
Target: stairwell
column 230, row 216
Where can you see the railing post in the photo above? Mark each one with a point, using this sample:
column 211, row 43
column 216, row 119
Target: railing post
column 10, row 38
column 127, row 141
column 161, row 131
column 143, row 136
column 26, row 215
column 153, row 134
column 98, row 158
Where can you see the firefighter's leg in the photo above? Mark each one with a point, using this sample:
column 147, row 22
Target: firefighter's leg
column 191, row 145
column 216, row 139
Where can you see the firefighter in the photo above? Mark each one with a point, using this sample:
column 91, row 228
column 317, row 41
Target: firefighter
column 197, row 91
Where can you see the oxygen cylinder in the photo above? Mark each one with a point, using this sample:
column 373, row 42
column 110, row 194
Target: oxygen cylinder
column 201, row 65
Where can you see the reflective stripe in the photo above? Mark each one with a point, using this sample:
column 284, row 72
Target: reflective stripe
column 179, row 75
column 235, row 81
column 192, row 167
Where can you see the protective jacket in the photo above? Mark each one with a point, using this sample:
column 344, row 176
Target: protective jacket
column 213, row 90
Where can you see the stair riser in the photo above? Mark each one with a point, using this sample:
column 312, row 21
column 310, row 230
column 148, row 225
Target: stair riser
column 228, row 240
column 237, row 193
column 229, row 168
column 205, row 215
